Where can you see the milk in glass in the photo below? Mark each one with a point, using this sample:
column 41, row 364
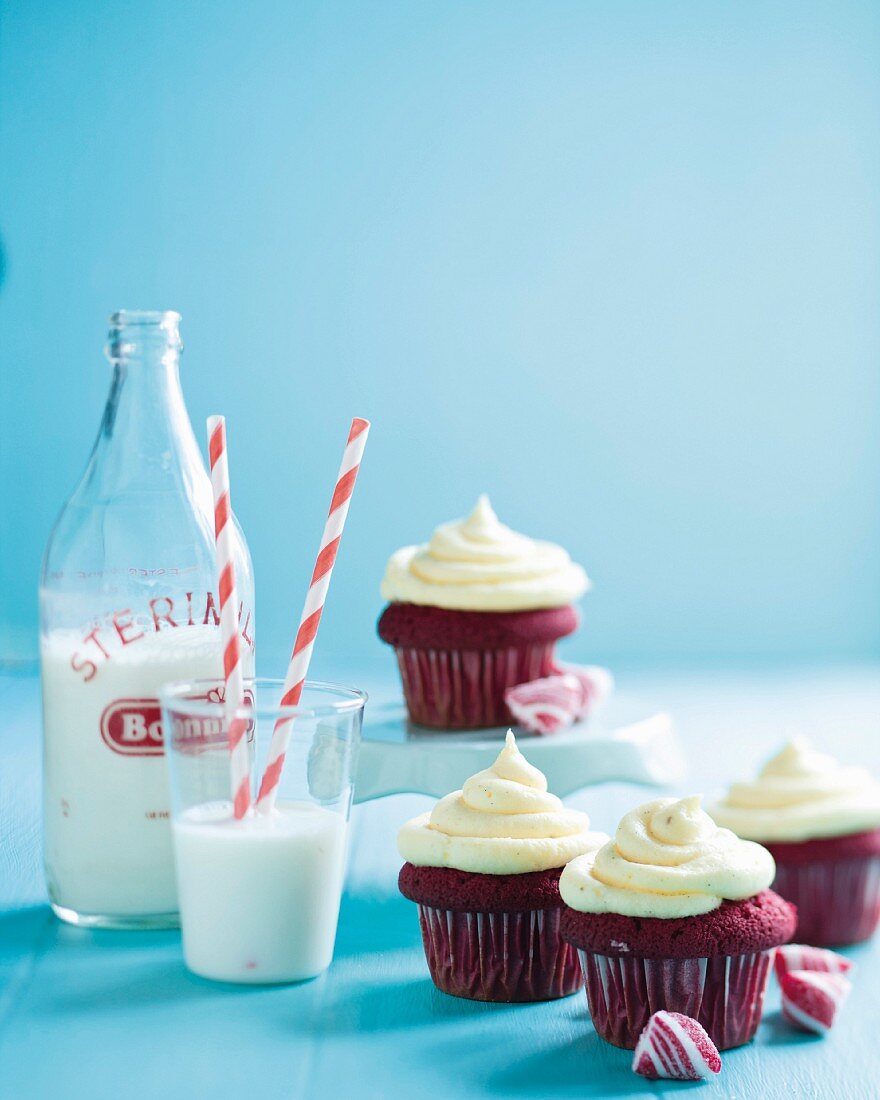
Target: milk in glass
column 259, row 899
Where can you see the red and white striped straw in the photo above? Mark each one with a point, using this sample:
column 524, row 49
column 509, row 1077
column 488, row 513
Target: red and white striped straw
column 314, row 605
column 232, row 669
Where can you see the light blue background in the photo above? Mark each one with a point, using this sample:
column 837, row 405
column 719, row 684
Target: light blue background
column 617, row 264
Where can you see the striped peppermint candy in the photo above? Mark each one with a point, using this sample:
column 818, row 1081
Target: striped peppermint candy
column 677, row 1048
column 800, row 956
column 314, row 606
column 596, row 684
column 239, row 753
column 555, row 702
column 811, row 999
column 546, row 705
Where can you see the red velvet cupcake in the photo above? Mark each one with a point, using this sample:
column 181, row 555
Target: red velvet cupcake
column 484, row 868
column 674, row 914
column 821, row 823
column 835, row 884
column 474, row 612
column 493, row 937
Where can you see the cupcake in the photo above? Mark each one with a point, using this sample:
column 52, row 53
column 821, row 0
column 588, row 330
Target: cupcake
column 474, row 612
column 821, row 821
column 483, row 867
column 674, row 913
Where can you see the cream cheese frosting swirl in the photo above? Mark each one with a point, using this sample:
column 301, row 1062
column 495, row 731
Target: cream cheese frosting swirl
column 503, row 822
column 478, row 564
column 801, row 794
column 667, row 859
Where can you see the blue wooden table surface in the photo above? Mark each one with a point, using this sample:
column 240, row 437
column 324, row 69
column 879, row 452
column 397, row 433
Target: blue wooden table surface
column 113, row 1014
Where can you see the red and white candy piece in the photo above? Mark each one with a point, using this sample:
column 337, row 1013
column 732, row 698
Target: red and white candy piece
column 596, row 684
column 677, row 1048
column 811, row 999
column 800, row 956
column 555, row 702
column 546, row 705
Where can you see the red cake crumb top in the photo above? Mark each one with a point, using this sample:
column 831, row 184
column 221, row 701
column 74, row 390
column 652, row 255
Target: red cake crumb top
column 853, row 846
column 469, row 892
column 406, row 625
column 734, row 928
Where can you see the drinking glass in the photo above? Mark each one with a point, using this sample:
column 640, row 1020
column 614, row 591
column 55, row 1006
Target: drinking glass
column 259, row 897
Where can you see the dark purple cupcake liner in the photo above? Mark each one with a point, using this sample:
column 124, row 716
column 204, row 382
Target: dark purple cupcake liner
column 499, row 956
column 464, row 689
column 838, row 900
column 725, row 994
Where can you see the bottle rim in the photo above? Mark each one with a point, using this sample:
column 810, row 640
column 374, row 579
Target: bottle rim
column 165, row 318
column 132, row 331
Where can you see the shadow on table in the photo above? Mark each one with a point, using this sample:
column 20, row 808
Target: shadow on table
column 585, row 1066
column 394, row 1004
column 25, row 931
column 777, row 1031
column 370, row 924
column 154, row 986
column 94, row 971
column 581, row 1066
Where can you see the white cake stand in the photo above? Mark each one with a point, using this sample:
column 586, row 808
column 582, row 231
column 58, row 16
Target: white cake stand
column 617, row 743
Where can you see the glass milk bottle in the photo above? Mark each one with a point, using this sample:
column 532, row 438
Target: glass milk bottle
column 128, row 601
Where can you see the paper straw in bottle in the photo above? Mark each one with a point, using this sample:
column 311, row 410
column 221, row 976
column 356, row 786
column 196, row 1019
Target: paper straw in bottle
column 232, row 665
column 314, row 605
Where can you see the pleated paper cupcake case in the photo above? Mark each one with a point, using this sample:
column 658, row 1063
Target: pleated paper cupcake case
column 499, row 956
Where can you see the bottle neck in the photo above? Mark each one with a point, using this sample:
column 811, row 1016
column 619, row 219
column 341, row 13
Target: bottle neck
column 146, row 441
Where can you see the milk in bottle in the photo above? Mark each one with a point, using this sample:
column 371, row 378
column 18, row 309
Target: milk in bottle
column 128, row 602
